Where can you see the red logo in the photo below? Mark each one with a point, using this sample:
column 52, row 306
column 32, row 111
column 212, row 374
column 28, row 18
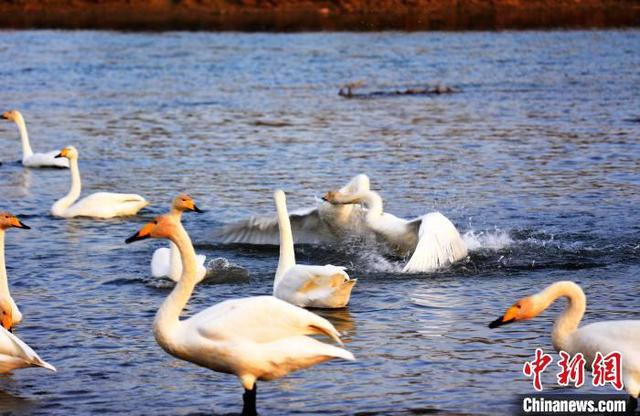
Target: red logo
column 572, row 369
column 536, row 367
column 608, row 369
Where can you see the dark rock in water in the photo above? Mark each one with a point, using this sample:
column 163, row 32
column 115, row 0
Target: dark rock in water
column 347, row 92
column 221, row 270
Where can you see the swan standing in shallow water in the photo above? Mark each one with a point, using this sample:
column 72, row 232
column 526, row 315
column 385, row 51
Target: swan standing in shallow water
column 14, row 353
column 7, row 221
column 97, row 205
column 30, row 159
column 307, row 286
column 255, row 338
column 166, row 262
column 603, row 337
column 431, row 240
column 324, row 223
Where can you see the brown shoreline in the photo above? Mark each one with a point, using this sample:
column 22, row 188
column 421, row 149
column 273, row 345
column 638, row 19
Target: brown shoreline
column 312, row 15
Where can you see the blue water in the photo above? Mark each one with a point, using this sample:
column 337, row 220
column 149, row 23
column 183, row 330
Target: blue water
column 537, row 156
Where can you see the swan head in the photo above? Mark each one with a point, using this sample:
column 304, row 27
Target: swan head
column 12, row 115
column 338, row 198
column 525, row 308
column 163, row 226
column 184, row 202
column 8, row 220
column 69, row 152
column 6, row 317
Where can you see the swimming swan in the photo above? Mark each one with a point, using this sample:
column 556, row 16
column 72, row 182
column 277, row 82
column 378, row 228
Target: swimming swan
column 431, row 240
column 166, row 261
column 30, row 159
column 13, row 352
column 255, row 338
column 307, row 286
column 7, row 221
column 324, row 223
column 603, row 337
column 98, row 205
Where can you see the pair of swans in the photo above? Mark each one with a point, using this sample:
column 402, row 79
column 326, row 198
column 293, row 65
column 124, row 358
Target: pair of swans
column 431, row 241
column 166, row 262
column 30, row 159
column 302, row 285
column 255, row 338
column 14, row 353
column 97, row 205
column 320, row 224
column 603, row 337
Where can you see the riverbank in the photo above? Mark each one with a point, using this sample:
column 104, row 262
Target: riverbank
column 296, row 15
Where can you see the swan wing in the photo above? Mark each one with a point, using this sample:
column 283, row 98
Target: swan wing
column 259, row 319
column 160, row 262
column 14, row 353
column 306, row 224
column 39, row 160
column 607, row 336
column 315, row 286
column 359, row 183
column 439, row 244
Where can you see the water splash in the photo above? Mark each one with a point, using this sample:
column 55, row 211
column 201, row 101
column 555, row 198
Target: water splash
column 489, row 240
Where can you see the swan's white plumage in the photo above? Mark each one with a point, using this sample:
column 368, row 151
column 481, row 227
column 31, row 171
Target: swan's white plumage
column 439, row 245
column 307, row 286
column 255, row 338
column 14, row 354
column 29, row 158
column 321, row 224
column 603, row 337
column 97, row 205
column 163, row 266
column 431, row 241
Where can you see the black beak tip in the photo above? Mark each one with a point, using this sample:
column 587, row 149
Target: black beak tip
column 133, row 238
column 198, row 210
column 58, row 155
column 499, row 322
column 24, row 226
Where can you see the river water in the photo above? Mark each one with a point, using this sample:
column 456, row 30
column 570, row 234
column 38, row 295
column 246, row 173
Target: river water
column 536, row 159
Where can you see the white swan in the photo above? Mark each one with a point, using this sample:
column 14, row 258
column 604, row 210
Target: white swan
column 603, row 337
column 324, row 223
column 14, row 353
column 431, row 240
column 30, row 159
column 166, row 261
column 307, row 286
column 98, row 205
column 7, row 221
column 255, row 338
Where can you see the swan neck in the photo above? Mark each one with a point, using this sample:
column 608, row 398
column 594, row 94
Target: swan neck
column 168, row 316
column 74, row 192
column 373, row 202
column 287, row 254
column 4, row 284
column 24, row 137
column 568, row 321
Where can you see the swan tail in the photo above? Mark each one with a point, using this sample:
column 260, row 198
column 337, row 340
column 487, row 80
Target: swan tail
column 44, row 364
column 439, row 245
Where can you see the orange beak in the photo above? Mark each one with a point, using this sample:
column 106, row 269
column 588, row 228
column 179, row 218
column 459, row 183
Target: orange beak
column 63, row 153
column 509, row 316
column 145, row 232
column 15, row 222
